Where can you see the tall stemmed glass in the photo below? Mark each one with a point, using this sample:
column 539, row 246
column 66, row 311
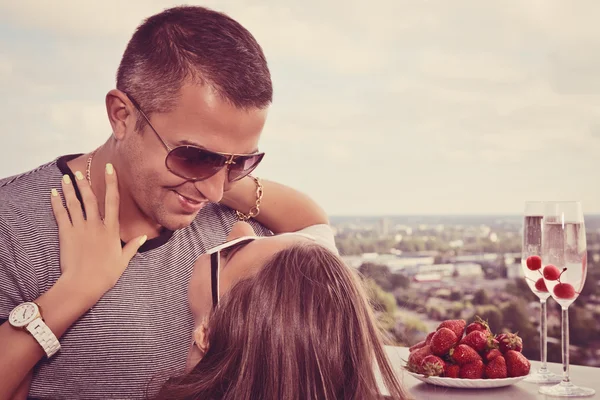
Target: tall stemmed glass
column 565, row 267
column 531, row 263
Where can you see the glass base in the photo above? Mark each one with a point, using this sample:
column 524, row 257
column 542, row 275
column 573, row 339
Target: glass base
column 543, row 376
column 566, row 389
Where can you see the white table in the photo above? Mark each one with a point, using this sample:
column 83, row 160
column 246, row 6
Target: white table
column 581, row 376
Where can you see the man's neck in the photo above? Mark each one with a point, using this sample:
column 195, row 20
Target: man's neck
column 133, row 223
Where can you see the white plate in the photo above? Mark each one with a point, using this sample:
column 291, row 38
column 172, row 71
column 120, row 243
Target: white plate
column 467, row 383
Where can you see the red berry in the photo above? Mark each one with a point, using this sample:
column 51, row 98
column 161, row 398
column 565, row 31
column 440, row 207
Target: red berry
column 452, row 371
column 443, row 340
column 416, row 346
column 540, row 285
column 551, row 272
column 516, row 364
column 433, row 366
column 496, row 369
column 509, row 341
column 534, row 262
column 472, row 370
column 564, row 291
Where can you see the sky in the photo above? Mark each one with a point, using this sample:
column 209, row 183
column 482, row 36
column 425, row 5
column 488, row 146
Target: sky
column 382, row 107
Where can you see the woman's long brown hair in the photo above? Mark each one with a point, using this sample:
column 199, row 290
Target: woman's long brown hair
column 301, row 328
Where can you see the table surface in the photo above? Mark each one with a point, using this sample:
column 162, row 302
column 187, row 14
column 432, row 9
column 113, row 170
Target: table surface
column 580, row 376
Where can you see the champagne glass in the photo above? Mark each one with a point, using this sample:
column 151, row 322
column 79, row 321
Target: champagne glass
column 531, row 263
column 565, row 267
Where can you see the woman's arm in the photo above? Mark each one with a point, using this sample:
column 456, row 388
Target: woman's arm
column 282, row 209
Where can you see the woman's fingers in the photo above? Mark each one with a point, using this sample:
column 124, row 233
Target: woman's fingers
column 60, row 213
column 73, row 204
column 111, row 201
column 90, row 204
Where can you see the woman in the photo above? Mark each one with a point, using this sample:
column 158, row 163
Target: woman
column 279, row 317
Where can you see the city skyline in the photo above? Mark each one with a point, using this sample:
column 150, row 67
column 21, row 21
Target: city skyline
column 395, row 108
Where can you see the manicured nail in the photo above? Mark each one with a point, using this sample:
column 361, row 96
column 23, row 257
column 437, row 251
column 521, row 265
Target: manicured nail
column 109, row 169
column 66, row 179
column 54, row 192
column 79, row 175
column 143, row 239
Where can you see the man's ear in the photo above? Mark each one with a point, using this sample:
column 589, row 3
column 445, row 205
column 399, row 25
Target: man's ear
column 118, row 107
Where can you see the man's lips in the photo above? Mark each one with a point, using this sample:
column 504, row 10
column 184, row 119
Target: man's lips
column 191, row 199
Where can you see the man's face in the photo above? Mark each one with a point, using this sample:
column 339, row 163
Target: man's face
column 200, row 118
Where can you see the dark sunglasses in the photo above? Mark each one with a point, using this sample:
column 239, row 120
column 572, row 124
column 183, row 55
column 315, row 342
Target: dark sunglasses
column 227, row 250
column 196, row 163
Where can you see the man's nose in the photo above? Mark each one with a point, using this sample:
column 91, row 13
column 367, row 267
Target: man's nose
column 213, row 187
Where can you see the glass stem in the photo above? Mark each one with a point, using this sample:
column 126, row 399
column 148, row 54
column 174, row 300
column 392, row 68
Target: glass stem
column 565, row 343
column 543, row 335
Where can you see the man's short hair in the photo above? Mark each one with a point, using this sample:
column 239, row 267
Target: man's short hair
column 198, row 45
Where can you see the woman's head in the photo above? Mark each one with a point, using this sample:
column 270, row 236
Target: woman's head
column 300, row 328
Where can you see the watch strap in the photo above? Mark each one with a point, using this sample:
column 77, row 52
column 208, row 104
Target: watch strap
column 43, row 334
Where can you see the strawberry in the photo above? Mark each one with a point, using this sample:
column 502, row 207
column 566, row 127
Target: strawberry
column 478, row 340
column 455, row 325
column 491, row 354
column 516, row 364
column 534, row 262
column 452, row 370
column 428, row 338
column 472, row 370
column 540, row 285
column 443, row 340
column 496, row 369
column 416, row 346
column 564, row 291
column 509, row 341
column 463, row 354
column 433, row 366
column 478, row 325
column 416, row 358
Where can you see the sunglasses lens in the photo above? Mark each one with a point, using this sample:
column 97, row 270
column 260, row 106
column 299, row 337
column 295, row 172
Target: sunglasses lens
column 243, row 166
column 194, row 163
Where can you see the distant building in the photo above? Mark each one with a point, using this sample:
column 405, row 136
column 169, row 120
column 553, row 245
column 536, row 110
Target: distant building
column 469, row 270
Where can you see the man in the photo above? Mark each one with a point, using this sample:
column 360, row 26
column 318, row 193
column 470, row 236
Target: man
column 193, row 89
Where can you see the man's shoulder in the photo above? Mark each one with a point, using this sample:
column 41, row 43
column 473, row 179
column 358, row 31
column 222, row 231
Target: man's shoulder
column 26, row 197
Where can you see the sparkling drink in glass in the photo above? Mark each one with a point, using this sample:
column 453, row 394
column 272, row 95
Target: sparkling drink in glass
column 531, row 263
column 564, row 259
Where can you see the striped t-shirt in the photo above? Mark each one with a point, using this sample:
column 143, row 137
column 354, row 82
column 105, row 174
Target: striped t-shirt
column 140, row 331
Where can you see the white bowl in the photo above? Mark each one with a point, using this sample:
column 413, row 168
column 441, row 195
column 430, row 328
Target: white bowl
column 467, row 383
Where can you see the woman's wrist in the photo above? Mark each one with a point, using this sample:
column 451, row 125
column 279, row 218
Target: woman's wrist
column 243, row 195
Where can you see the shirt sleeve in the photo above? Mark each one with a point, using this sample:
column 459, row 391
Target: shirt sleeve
column 16, row 281
column 323, row 234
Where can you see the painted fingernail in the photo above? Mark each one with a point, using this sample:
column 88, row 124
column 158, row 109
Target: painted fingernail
column 79, row 175
column 143, row 239
column 109, row 169
column 54, row 192
column 66, row 179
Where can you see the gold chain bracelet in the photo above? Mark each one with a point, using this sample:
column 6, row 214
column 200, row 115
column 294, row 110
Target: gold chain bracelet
column 255, row 210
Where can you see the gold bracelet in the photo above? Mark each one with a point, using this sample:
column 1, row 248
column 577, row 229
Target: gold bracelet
column 255, row 210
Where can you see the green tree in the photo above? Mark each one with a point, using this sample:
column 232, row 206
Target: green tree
column 377, row 272
column 481, row 297
column 492, row 315
column 516, row 320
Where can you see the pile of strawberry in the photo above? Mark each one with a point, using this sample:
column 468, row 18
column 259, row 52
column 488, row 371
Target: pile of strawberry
column 479, row 354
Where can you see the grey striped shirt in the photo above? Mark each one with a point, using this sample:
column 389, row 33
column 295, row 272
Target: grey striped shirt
column 139, row 332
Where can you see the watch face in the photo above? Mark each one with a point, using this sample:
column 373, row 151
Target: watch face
column 23, row 314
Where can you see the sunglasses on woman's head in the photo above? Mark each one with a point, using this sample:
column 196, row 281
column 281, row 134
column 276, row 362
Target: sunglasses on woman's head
column 228, row 249
column 196, row 163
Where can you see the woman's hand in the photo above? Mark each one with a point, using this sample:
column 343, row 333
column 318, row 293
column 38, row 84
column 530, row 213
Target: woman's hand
column 91, row 255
